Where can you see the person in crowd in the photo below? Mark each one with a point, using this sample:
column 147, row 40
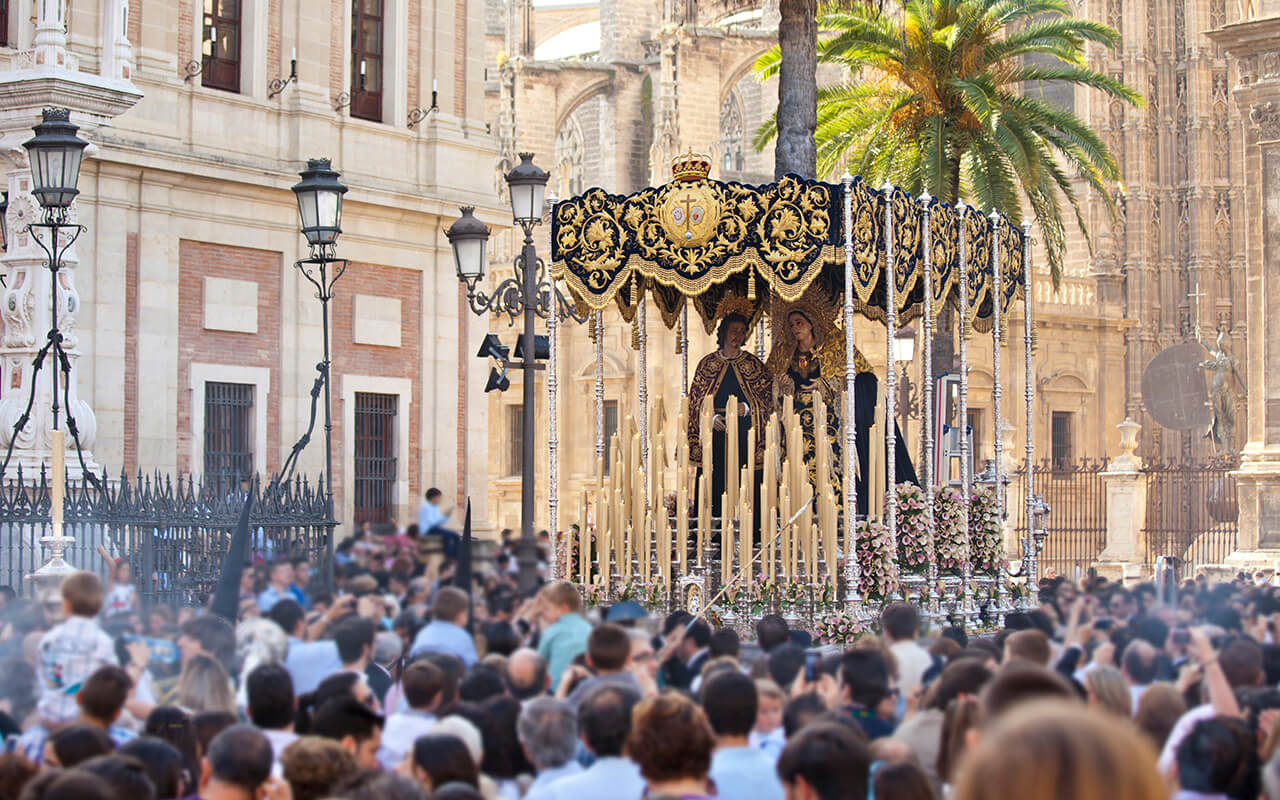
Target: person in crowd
column 672, row 743
column 690, row 649
column 68, row 784
column 901, row 625
column 1140, row 665
column 960, row 681
column 279, row 585
column 237, row 766
column 72, row 650
column 604, row 721
column 1106, row 689
column 824, row 761
column 771, row 632
column 122, row 595
column 204, row 685
column 352, row 724
column 422, row 685
column 164, row 766
column 209, row 724
column 768, row 733
column 308, row 662
column 271, row 708
column 73, row 744
column 608, row 661
column 446, row 633
column 15, row 771
column 354, row 637
column 548, row 732
column 432, row 520
column 439, row 759
column 564, row 637
column 731, row 702
column 126, row 776
column 902, row 780
column 866, row 693
column 371, row 784
column 174, row 726
column 1028, row 645
column 526, row 674
column 1051, row 750
column 100, row 701
column 314, row 766
column 1238, row 665
column 1218, row 758
column 300, row 587
column 1158, row 711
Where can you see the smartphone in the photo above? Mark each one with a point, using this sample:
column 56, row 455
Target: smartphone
column 1102, row 624
column 1181, row 637
column 812, row 657
column 162, row 651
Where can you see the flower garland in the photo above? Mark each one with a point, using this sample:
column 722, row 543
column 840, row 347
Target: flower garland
column 985, row 531
column 913, row 529
column 838, row 628
column 949, row 531
column 875, row 556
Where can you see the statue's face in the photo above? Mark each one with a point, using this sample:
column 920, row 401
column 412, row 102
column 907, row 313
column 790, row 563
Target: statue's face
column 735, row 335
column 800, row 327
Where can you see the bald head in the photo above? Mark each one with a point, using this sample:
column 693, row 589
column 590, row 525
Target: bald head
column 526, row 674
column 1139, row 663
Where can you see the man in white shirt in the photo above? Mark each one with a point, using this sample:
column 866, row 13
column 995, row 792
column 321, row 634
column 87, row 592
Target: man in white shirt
column 604, row 719
column 422, row 684
column 548, row 732
column 901, row 624
column 271, row 708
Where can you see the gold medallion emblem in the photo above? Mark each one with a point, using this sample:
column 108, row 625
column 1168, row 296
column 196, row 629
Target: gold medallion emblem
column 690, row 213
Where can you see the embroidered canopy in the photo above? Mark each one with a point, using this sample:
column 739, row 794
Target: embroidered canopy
column 697, row 239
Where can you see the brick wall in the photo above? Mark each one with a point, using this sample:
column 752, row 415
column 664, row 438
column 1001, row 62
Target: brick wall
column 131, row 353
column 338, row 10
column 460, row 58
column 196, row 261
column 414, row 58
column 186, row 23
column 273, row 39
column 350, row 358
column 135, row 24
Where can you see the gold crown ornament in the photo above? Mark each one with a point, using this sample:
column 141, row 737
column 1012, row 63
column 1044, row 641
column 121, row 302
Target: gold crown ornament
column 735, row 304
column 691, row 166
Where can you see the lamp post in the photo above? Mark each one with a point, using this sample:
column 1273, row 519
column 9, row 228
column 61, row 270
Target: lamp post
column 904, row 350
column 528, row 295
column 319, row 196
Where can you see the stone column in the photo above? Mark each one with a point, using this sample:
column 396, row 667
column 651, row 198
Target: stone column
column 1256, row 45
column 1126, row 492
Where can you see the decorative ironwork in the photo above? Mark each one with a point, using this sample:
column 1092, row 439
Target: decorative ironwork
column 193, row 68
column 1078, row 524
column 174, row 531
column 278, row 85
column 509, row 298
column 1192, row 511
column 343, row 100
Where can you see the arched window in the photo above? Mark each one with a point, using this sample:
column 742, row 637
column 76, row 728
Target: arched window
column 570, row 177
column 731, row 137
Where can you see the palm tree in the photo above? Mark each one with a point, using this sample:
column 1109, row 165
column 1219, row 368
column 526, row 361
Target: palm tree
column 935, row 100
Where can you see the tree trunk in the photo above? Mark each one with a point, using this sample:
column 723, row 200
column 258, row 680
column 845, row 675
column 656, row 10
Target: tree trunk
column 797, row 89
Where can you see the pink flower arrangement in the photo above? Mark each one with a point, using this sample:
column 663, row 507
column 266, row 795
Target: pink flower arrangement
column 985, row 531
column 875, row 559
column 949, row 531
column 913, row 529
column 838, row 628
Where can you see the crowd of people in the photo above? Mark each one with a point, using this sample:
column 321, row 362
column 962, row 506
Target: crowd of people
column 400, row 685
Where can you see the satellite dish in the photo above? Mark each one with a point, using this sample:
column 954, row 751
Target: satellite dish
column 1174, row 390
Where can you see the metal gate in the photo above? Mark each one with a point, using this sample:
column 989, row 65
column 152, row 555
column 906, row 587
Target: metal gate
column 375, row 456
column 1078, row 516
column 1192, row 512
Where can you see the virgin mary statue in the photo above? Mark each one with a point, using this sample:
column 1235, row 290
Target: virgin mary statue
column 809, row 358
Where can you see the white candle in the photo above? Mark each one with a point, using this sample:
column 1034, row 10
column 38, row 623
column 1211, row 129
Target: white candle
column 362, row 69
column 293, row 54
column 434, row 84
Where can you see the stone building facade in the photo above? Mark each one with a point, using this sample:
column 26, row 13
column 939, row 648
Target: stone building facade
column 605, row 92
column 195, row 340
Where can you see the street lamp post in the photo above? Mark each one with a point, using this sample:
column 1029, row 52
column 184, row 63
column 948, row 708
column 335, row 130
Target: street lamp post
column 528, row 295
column 319, row 196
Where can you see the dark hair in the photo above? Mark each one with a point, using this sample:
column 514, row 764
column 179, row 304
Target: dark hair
column 453, row 669
column 728, row 320
column 287, row 613
column 80, row 742
column 1215, row 758
column 503, row 756
column 422, row 683
column 15, row 771
column 313, row 765
column 240, row 756
column 900, row 621
column 434, row 493
column 374, row 784
column 785, row 663
column 1241, row 661
column 104, row 693
column 352, row 636
column 829, row 758
column 68, row 784
column 173, row 725
column 771, row 632
column 724, row 642
column 215, row 636
column 730, row 701
column 866, row 675
column 800, row 711
column 501, row 638
column 339, row 684
column 448, row 603
column 445, row 759
column 209, row 724
column 125, row 775
column 346, row 716
column 1018, row 683
column 269, row 689
column 604, row 718
column 163, row 764
column 481, row 682
column 965, row 676
column 676, row 619
column 670, row 738
column 608, row 647
column 699, row 633
column 901, row 781
column 457, row 791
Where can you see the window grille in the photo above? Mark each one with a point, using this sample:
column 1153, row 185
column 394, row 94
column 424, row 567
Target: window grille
column 1063, row 449
column 228, row 434
column 375, row 456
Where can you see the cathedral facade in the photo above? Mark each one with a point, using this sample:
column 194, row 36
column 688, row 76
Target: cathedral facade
column 605, row 92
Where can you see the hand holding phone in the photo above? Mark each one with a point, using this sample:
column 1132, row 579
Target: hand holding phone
column 812, row 659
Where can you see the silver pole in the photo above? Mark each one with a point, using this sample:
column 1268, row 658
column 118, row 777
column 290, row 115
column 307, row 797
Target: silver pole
column 598, row 322
column 643, row 329
column 997, row 396
column 852, row 570
column 760, row 349
column 932, row 607
column 1029, row 394
column 684, row 350
column 967, row 604
column 553, row 441
column 891, row 383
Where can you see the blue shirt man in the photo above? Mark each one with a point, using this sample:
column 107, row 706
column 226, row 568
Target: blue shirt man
column 565, row 638
column 739, row 770
column 445, row 633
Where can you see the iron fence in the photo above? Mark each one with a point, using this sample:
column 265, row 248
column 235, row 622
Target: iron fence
column 1078, row 515
column 1192, row 512
column 173, row 531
